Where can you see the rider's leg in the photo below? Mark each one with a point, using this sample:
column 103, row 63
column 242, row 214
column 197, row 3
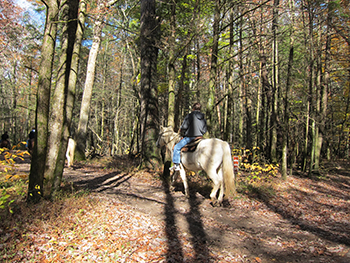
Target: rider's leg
column 177, row 149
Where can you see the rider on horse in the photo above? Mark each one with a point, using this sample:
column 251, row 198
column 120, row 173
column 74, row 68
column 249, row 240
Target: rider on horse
column 30, row 141
column 5, row 136
column 5, row 143
column 194, row 125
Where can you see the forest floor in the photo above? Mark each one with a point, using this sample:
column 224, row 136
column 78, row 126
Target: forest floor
column 112, row 212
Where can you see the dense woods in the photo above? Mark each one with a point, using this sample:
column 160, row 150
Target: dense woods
column 272, row 76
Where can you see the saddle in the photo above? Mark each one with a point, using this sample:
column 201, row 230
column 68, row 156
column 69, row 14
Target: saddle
column 192, row 145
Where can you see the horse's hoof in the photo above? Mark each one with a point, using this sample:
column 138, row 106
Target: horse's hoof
column 215, row 203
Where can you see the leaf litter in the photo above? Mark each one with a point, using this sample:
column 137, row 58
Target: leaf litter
column 125, row 215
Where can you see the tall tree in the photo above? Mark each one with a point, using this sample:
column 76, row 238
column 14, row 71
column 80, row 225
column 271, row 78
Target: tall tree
column 68, row 14
column 149, row 99
column 171, row 66
column 81, row 134
column 285, row 120
column 274, row 128
column 37, row 168
column 241, row 80
column 324, row 84
column 75, row 24
column 210, row 106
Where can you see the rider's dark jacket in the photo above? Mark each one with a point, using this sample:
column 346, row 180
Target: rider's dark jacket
column 194, row 125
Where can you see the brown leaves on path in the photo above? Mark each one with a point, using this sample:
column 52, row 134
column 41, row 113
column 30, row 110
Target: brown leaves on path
column 125, row 215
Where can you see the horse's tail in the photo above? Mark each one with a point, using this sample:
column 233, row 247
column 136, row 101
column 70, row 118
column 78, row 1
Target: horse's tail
column 228, row 172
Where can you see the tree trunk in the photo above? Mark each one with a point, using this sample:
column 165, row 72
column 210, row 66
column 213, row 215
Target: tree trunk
column 324, row 89
column 229, row 73
column 285, row 130
column 75, row 32
column 210, row 107
column 81, row 135
column 311, row 113
column 318, row 117
column 171, row 68
column 37, row 168
column 149, row 100
column 241, row 84
column 118, row 103
column 273, row 139
column 259, row 127
column 58, row 113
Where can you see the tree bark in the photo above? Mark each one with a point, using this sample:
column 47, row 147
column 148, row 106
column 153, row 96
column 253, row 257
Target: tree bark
column 149, row 101
column 171, row 67
column 37, row 168
column 58, row 115
column 273, row 151
column 324, row 89
column 75, row 32
column 241, row 85
column 81, row 135
column 285, row 131
column 285, row 125
column 210, row 107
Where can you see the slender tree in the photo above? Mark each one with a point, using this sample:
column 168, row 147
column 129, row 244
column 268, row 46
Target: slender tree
column 285, row 123
column 81, row 134
column 275, row 96
column 213, row 66
column 171, row 66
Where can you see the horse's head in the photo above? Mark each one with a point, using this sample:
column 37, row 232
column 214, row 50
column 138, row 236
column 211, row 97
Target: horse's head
column 164, row 134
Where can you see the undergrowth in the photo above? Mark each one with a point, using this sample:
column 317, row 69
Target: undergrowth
column 12, row 185
column 255, row 177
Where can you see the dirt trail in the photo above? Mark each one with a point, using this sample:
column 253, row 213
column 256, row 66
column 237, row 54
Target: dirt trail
column 246, row 230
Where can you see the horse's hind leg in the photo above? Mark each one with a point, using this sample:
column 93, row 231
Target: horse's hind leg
column 173, row 180
column 184, row 181
column 221, row 193
column 218, row 183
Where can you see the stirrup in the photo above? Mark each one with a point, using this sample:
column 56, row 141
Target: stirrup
column 176, row 167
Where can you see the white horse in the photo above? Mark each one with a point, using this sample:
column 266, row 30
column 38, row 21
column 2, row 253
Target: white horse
column 70, row 152
column 211, row 155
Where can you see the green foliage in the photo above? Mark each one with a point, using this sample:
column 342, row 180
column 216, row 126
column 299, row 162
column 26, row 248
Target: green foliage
column 162, row 87
column 259, row 172
column 4, row 201
column 257, row 177
column 11, row 183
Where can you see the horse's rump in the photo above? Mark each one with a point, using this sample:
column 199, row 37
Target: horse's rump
column 212, row 155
